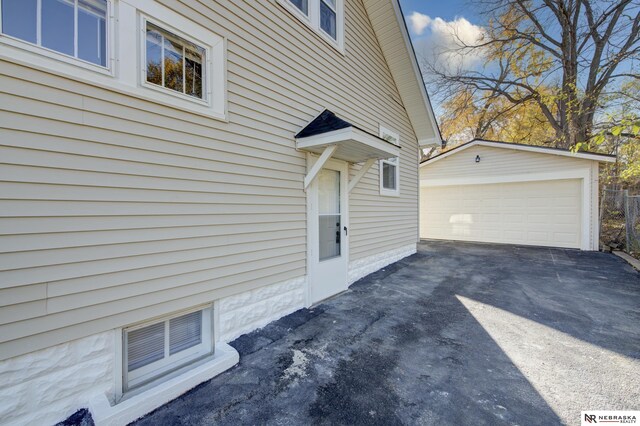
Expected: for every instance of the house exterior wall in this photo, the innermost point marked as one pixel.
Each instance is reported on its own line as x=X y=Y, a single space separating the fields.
x=505 y=165
x=114 y=206
x=115 y=209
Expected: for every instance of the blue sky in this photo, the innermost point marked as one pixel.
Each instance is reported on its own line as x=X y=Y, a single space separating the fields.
x=433 y=23
x=434 y=26
x=445 y=9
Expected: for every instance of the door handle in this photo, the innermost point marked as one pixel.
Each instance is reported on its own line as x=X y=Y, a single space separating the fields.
x=346 y=231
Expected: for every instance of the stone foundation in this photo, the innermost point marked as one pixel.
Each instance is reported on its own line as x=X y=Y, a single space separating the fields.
x=47 y=386
x=254 y=309
x=362 y=267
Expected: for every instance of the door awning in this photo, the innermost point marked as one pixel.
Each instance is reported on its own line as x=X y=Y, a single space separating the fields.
x=348 y=142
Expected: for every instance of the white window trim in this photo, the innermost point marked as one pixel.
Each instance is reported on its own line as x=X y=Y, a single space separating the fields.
x=207 y=65
x=313 y=21
x=124 y=58
x=46 y=52
x=384 y=132
x=157 y=371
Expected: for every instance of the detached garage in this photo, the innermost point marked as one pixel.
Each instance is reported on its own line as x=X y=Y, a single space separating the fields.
x=500 y=192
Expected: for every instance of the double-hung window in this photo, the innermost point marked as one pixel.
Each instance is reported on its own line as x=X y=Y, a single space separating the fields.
x=158 y=347
x=75 y=28
x=390 y=168
x=326 y=17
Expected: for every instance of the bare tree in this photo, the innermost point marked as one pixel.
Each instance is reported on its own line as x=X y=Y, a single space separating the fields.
x=563 y=55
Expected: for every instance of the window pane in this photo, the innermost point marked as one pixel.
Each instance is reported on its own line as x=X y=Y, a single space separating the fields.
x=303 y=5
x=185 y=332
x=329 y=191
x=19 y=19
x=58 y=25
x=154 y=56
x=92 y=43
x=329 y=236
x=145 y=345
x=329 y=218
x=388 y=176
x=173 y=67
x=193 y=73
x=175 y=63
x=327 y=19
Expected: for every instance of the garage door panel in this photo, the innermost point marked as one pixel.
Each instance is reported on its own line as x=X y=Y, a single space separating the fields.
x=566 y=219
x=513 y=220
x=538 y=236
x=515 y=235
x=535 y=219
x=530 y=213
x=566 y=237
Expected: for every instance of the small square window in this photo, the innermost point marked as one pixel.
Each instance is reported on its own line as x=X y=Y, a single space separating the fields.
x=390 y=168
x=73 y=28
x=389 y=175
x=159 y=347
x=174 y=63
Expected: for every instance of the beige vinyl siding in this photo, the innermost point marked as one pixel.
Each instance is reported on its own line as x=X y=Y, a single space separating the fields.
x=497 y=162
x=382 y=14
x=114 y=209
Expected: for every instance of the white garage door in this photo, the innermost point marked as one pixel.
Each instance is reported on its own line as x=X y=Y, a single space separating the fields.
x=544 y=213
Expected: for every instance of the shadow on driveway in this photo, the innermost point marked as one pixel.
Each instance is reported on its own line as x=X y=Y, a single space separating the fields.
x=456 y=334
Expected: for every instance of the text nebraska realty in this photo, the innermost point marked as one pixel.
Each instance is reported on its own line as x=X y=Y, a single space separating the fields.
x=610 y=418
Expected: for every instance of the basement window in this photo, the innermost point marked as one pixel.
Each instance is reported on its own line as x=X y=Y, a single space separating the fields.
x=155 y=348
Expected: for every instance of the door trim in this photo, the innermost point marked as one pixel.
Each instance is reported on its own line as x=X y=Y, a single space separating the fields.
x=312 y=230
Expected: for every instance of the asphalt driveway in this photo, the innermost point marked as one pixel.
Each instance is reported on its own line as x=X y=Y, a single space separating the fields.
x=456 y=334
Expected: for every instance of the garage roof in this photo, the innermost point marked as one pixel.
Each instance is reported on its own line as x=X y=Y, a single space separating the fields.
x=584 y=155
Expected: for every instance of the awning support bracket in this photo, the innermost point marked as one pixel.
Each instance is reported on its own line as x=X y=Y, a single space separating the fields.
x=363 y=170
x=324 y=157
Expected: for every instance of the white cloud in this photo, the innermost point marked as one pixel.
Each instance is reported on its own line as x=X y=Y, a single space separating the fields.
x=443 y=40
x=419 y=22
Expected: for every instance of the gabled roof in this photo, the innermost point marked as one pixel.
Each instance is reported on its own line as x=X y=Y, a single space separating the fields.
x=351 y=143
x=391 y=31
x=327 y=122
x=323 y=123
x=584 y=155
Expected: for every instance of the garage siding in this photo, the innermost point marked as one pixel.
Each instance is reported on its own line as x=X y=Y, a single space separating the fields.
x=496 y=162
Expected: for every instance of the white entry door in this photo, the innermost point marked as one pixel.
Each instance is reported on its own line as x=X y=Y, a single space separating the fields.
x=328 y=232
